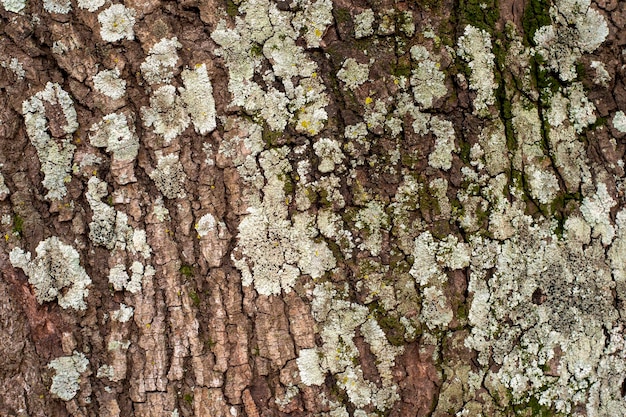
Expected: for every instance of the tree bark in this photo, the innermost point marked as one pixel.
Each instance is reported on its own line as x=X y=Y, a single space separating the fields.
x=317 y=208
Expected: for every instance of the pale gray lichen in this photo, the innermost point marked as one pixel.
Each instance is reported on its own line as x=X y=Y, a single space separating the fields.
x=169 y=176
x=109 y=83
x=441 y=156
x=427 y=80
x=576 y=29
x=66 y=381
x=57 y=6
x=55 y=273
x=329 y=152
x=167 y=113
x=14 y=6
x=619 y=121
x=338 y=320
x=198 y=97
x=596 y=210
x=123 y=314
x=90 y=5
x=475 y=48
x=353 y=74
x=118 y=277
x=272 y=251
x=55 y=155
x=363 y=24
x=314 y=19
x=372 y=220
x=161 y=62
x=205 y=225
x=117 y=134
x=116 y=23
x=103 y=219
x=265 y=32
x=15 y=66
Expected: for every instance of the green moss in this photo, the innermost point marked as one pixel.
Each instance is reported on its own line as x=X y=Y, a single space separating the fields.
x=194 y=298
x=342 y=15
x=231 y=8
x=256 y=50
x=188 y=398
x=402 y=68
x=389 y=323
x=536 y=15
x=482 y=14
x=186 y=270
x=271 y=137
x=18 y=224
x=534 y=409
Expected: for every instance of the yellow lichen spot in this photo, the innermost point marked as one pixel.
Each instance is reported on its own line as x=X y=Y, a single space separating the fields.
x=95 y=172
x=286 y=201
x=148 y=325
x=317 y=253
x=6 y=236
x=314 y=75
x=297 y=178
x=198 y=236
x=67 y=179
x=197 y=66
x=318 y=33
x=304 y=124
x=395 y=81
x=368 y=100
x=77 y=140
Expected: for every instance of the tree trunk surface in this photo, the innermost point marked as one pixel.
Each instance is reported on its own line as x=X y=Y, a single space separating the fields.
x=312 y=208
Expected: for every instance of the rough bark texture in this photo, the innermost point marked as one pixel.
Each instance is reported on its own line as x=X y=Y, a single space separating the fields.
x=312 y=208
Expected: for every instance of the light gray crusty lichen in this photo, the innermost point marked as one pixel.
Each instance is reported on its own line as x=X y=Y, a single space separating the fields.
x=66 y=380
x=109 y=83
x=161 y=61
x=117 y=133
x=55 y=154
x=475 y=48
x=55 y=273
x=116 y=23
x=169 y=176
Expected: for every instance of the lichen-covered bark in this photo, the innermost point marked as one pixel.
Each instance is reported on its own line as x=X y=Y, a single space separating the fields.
x=312 y=208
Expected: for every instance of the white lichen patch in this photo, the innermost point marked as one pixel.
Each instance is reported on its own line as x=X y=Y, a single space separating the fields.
x=353 y=74
x=430 y=259
x=55 y=154
x=619 y=121
x=109 y=83
x=338 y=321
x=66 y=381
x=161 y=62
x=427 y=80
x=267 y=33
x=314 y=20
x=197 y=95
x=272 y=251
x=601 y=76
x=169 y=176
x=90 y=5
x=57 y=6
x=117 y=134
x=55 y=273
x=116 y=23
x=441 y=156
x=167 y=113
x=363 y=24
x=542 y=310
x=15 y=66
x=373 y=221
x=475 y=48
x=123 y=314
x=577 y=28
x=330 y=154
x=311 y=372
x=544 y=185
x=581 y=110
x=596 y=210
x=14 y=6
x=118 y=277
